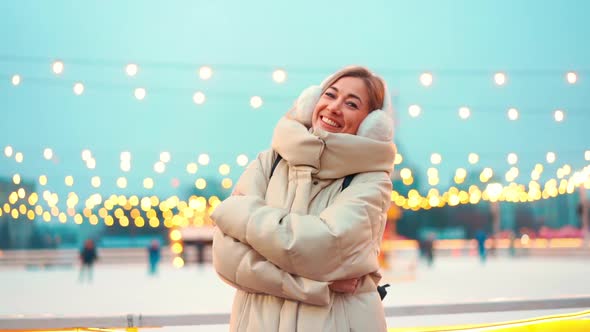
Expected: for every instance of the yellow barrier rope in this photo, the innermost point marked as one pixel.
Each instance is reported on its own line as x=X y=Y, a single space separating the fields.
x=79 y=329
x=516 y=325
x=571 y=322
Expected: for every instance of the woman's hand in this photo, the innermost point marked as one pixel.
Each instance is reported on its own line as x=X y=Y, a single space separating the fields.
x=345 y=286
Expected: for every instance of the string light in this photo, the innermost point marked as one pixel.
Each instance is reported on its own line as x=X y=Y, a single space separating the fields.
x=242 y=160
x=512 y=158
x=19 y=157
x=78 y=88
x=464 y=112
x=460 y=175
x=279 y=76
x=125 y=156
x=57 y=67
x=500 y=78
x=205 y=72
x=473 y=158
x=224 y=169
x=405 y=173
x=199 y=98
x=86 y=155
x=426 y=79
x=494 y=190
x=131 y=69
x=513 y=114
x=122 y=182
x=200 y=183
x=559 y=115
x=571 y=77
x=139 y=93
x=435 y=158
x=47 y=153
x=226 y=183
x=487 y=173
x=16 y=80
x=551 y=157
x=414 y=110
x=432 y=172
x=159 y=167
x=191 y=168
x=203 y=159
x=125 y=165
x=91 y=163
x=69 y=181
x=165 y=157
x=148 y=183
x=178 y=262
x=95 y=181
x=256 y=102
x=8 y=151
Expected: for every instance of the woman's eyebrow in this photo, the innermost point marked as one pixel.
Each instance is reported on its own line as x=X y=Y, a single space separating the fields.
x=349 y=95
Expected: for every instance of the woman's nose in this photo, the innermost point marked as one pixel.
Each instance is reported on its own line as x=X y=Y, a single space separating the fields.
x=334 y=106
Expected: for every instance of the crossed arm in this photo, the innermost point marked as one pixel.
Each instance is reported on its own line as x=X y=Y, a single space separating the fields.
x=297 y=256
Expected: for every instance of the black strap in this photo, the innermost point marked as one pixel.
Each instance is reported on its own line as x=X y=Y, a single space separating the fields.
x=274 y=164
x=347 y=181
x=382 y=291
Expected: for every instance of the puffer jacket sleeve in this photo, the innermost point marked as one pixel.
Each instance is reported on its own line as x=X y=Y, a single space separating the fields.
x=243 y=268
x=253 y=182
x=341 y=243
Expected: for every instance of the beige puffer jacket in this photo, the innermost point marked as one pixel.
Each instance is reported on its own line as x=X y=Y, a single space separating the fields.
x=282 y=239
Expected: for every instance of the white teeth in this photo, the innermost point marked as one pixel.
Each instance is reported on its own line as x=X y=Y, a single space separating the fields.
x=330 y=122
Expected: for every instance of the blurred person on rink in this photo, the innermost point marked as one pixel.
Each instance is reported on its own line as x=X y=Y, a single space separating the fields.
x=153 y=257
x=300 y=236
x=427 y=248
x=88 y=256
x=481 y=237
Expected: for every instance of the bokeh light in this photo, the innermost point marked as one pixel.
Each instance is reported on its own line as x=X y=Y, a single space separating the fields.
x=426 y=79
x=205 y=72
x=279 y=76
x=256 y=102
x=414 y=110
x=500 y=78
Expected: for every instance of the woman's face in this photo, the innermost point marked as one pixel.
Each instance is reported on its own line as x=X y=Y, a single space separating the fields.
x=342 y=107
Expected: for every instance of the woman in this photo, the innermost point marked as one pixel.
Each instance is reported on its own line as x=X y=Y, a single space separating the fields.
x=302 y=252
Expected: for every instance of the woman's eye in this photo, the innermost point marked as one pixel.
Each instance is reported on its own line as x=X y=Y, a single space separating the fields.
x=352 y=104
x=330 y=94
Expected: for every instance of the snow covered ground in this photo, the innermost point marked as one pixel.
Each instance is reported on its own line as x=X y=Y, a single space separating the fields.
x=127 y=289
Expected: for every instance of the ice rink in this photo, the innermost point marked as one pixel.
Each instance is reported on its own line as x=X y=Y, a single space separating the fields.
x=123 y=289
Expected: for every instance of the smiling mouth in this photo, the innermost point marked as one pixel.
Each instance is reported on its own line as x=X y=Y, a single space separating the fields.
x=329 y=122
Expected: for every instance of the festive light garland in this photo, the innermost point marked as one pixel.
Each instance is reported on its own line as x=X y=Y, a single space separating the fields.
x=191 y=212
x=453 y=196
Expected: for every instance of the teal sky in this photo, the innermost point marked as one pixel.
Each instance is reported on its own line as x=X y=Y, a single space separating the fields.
x=463 y=43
